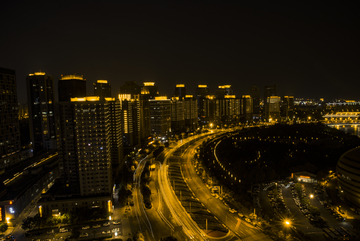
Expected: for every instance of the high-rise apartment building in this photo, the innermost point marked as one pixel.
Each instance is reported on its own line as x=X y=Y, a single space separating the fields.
x=287 y=107
x=209 y=109
x=102 y=88
x=160 y=115
x=223 y=90
x=227 y=110
x=9 y=122
x=191 y=112
x=40 y=94
x=71 y=86
x=90 y=144
x=255 y=95
x=149 y=90
x=201 y=92
x=136 y=112
x=268 y=92
x=67 y=143
x=180 y=91
x=272 y=113
x=177 y=115
x=247 y=108
x=130 y=120
x=131 y=88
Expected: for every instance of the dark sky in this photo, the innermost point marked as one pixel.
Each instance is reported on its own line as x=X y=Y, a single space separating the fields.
x=309 y=50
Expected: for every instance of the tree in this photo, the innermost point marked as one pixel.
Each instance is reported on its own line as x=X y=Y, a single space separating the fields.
x=3 y=227
x=27 y=223
x=138 y=236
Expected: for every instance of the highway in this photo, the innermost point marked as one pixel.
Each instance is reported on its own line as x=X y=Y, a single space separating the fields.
x=240 y=228
x=141 y=216
x=181 y=217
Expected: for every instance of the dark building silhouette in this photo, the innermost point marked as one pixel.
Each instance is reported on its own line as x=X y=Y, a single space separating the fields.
x=287 y=107
x=9 y=121
x=149 y=90
x=102 y=88
x=70 y=86
x=201 y=92
x=41 y=111
x=223 y=90
x=246 y=108
x=180 y=91
x=131 y=88
x=255 y=95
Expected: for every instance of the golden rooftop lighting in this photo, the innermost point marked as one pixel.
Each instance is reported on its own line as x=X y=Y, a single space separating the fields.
x=246 y=96
x=175 y=98
x=72 y=76
x=87 y=98
x=224 y=86
x=349 y=101
x=109 y=99
x=149 y=83
x=288 y=96
x=230 y=96
x=188 y=96
x=124 y=96
x=202 y=86
x=102 y=81
x=180 y=85
x=37 y=73
x=161 y=97
x=145 y=92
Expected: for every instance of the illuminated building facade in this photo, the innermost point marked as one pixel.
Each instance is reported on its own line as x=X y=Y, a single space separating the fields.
x=209 y=109
x=40 y=94
x=191 y=112
x=9 y=122
x=177 y=115
x=348 y=173
x=247 y=108
x=130 y=120
x=102 y=88
x=20 y=189
x=89 y=144
x=268 y=92
x=160 y=115
x=71 y=86
x=180 y=91
x=93 y=146
x=272 y=112
x=227 y=110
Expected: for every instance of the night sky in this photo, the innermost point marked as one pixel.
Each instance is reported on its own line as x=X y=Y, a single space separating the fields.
x=309 y=50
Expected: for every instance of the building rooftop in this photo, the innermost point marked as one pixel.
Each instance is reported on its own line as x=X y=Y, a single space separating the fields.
x=19 y=178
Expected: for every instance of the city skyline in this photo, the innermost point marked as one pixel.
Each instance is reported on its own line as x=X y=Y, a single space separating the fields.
x=307 y=50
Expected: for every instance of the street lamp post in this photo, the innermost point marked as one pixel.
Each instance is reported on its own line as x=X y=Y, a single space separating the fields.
x=287 y=224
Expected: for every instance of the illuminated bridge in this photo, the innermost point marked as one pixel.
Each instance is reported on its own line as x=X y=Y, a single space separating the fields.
x=342 y=119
